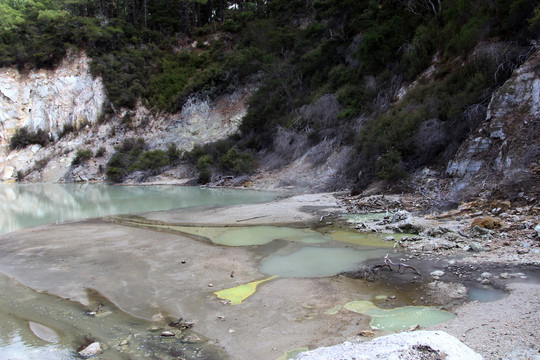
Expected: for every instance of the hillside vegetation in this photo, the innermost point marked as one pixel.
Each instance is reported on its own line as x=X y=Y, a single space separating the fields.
x=329 y=73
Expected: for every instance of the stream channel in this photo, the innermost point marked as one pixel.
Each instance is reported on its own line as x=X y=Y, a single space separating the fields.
x=78 y=265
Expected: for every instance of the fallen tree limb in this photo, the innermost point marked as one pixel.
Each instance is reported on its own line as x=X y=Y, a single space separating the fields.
x=389 y=262
x=370 y=273
x=252 y=218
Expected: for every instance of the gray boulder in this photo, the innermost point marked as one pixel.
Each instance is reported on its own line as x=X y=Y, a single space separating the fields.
x=417 y=345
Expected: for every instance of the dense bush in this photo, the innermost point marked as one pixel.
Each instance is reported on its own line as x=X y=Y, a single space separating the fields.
x=81 y=156
x=133 y=155
x=24 y=137
x=100 y=152
x=123 y=161
x=220 y=157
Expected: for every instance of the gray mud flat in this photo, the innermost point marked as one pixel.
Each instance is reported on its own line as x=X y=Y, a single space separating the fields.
x=155 y=275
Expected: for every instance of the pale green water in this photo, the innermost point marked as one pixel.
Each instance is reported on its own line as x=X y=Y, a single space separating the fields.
x=25 y=205
x=297 y=252
x=399 y=318
x=259 y=235
x=318 y=261
x=486 y=294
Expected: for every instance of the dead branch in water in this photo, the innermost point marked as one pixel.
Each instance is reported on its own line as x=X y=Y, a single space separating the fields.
x=389 y=263
x=370 y=273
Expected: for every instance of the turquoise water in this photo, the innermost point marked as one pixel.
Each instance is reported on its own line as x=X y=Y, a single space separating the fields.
x=25 y=205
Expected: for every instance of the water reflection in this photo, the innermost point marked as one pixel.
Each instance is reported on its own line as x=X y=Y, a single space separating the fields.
x=24 y=205
x=120 y=335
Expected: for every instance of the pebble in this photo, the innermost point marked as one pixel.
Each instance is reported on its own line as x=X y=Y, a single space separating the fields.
x=91 y=350
x=366 y=333
x=436 y=274
x=168 y=333
x=193 y=339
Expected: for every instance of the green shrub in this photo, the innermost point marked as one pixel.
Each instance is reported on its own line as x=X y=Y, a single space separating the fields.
x=23 y=137
x=152 y=160
x=66 y=129
x=203 y=166
x=81 y=156
x=389 y=166
x=100 y=152
x=237 y=162
x=232 y=26
x=115 y=174
x=125 y=160
x=173 y=154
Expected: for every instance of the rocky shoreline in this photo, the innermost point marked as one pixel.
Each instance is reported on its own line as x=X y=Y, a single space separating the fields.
x=485 y=244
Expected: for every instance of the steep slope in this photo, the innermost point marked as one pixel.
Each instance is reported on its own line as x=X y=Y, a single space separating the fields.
x=70 y=97
x=50 y=99
x=502 y=157
x=319 y=95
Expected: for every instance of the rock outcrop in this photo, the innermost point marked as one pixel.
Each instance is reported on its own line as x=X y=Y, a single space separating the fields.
x=69 y=95
x=48 y=100
x=418 y=345
x=503 y=156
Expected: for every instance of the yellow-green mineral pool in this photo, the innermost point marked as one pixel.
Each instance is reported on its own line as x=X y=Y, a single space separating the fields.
x=400 y=318
x=240 y=293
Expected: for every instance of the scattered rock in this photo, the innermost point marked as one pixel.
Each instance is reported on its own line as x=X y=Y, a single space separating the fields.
x=474 y=246
x=481 y=230
x=447 y=293
x=400 y=216
x=486 y=222
x=436 y=274
x=389 y=238
x=366 y=333
x=167 y=333
x=91 y=350
x=192 y=339
x=486 y=275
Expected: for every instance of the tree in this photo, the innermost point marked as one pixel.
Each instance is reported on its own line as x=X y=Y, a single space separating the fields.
x=9 y=17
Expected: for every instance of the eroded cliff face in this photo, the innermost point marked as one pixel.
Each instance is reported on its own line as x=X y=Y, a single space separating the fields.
x=502 y=157
x=48 y=100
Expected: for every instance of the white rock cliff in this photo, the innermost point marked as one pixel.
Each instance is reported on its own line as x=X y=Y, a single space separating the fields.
x=50 y=99
x=70 y=95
